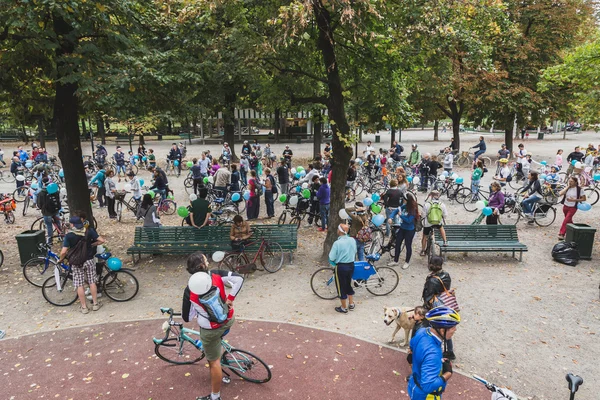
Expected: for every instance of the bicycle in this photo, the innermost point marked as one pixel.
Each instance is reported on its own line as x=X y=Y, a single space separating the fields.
x=165 y=205
x=8 y=206
x=132 y=205
x=544 y=214
x=178 y=347
x=58 y=290
x=378 y=281
x=466 y=158
x=269 y=253
x=468 y=199
x=499 y=393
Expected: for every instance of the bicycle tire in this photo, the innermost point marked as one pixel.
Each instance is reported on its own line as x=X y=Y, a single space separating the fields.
x=188 y=182
x=9 y=217
x=548 y=219
x=8 y=178
x=271 y=258
x=511 y=217
x=282 y=218
x=322 y=283
x=20 y=194
x=132 y=167
x=463 y=161
x=376 y=243
x=120 y=285
x=234 y=260
x=67 y=295
x=240 y=206
x=487 y=162
x=462 y=194
x=26 y=205
x=174 y=351
x=168 y=207
x=119 y=211
x=591 y=195
x=249 y=362
x=381 y=279
x=296 y=221
x=36 y=272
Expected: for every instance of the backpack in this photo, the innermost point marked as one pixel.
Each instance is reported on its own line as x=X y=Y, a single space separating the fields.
x=364 y=234
x=273 y=184
x=52 y=203
x=435 y=215
x=78 y=254
x=258 y=187
x=214 y=305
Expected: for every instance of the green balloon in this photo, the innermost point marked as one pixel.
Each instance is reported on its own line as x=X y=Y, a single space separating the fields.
x=299 y=169
x=183 y=212
x=205 y=180
x=151 y=193
x=376 y=208
x=170 y=197
x=306 y=193
x=485 y=202
x=190 y=164
x=282 y=198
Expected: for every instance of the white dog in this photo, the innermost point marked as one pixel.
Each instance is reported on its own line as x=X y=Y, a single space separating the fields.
x=404 y=320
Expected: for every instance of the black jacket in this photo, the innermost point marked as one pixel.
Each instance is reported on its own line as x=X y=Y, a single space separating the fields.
x=434 y=287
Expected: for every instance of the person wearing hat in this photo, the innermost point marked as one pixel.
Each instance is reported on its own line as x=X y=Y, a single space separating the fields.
x=136 y=187
x=287 y=154
x=503 y=172
x=49 y=205
x=414 y=157
x=175 y=155
x=342 y=255
x=503 y=152
x=358 y=214
x=202 y=283
x=246 y=148
x=86 y=272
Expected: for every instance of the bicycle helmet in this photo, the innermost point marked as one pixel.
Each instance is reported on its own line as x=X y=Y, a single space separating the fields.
x=442 y=317
x=415 y=145
x=200 y=283
x=503 y=161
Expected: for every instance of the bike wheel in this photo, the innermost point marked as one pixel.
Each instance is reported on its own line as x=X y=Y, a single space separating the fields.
x=463 y=194
x=282 y=218
x=240 y=206
x=178 y=351
x=463 y=161
x=8 y=178
x=9 y=217
x=133 y=168
x=323 y=284
x=37 y=270
x=20 y=194
x=26 y=205
x=296 y=221
x=233 y=260
x=516 y=183
x=271 y=257
x=544 y=218
x=469 y=203
x=487 y=162
x=188 y=182
x=511 y=217
x=120 y=285
x=168 y=207
x=119 y=211
x=383 y=282
x=376 y=243
x=246 y=365
x=39 y=224
x=591 y=195
x=64 y=297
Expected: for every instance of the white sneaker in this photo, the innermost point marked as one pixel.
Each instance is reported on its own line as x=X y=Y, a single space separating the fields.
x=89 y=296
x=406 y=265
x=393 y=263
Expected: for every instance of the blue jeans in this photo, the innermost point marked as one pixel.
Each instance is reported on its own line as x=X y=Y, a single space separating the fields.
x=120 y=168
x=324 y=209
x=243 y=175
x=529 y=202
x=269 y=202
x=360 y=250
x=48 y=221
x=478 y=153
x=475 y=189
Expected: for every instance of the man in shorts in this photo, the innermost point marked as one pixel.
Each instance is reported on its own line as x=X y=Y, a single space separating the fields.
x=85 y=273
x=211 y=332
x=433 y=210
x=342 y=255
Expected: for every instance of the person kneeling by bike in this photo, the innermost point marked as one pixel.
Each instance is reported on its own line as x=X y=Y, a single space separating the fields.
x=431 y=372
x=205 y=299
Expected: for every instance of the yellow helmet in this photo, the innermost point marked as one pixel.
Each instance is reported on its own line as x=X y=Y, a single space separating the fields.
x=504 y=160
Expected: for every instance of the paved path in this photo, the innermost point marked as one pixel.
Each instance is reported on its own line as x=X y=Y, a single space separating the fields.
x=117 y=361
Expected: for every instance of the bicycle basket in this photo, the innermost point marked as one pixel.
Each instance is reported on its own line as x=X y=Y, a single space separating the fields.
x=120 y=195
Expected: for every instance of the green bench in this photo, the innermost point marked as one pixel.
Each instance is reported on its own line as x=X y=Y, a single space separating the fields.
x=481 y=238
x=184 y=240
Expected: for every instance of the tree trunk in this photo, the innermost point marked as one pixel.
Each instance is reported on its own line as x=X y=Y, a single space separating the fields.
x=24 y=134
x=169 y=128
x=456 y=130
x=318 y=135
x=142 y=139
x=277 y=123
x=341 y=149
x=508 y=138
x=100 y=127
x=229 y=123
x=436 y=126
x=42 y=136
x=393 y=137
x=83 y=130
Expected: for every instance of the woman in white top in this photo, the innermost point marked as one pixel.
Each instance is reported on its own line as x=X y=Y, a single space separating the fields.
x=503 y=172
x=573 y=194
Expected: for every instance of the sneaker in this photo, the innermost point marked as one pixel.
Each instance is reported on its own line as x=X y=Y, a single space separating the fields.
x=96 y=306
x=321 y=229
x=84 y=310
x=561 y=237
x=209 y=397
x=351 y=307
x=449 y=355
x=392 y=264
x=89 y=296
x=341 y=310
x=406 y=265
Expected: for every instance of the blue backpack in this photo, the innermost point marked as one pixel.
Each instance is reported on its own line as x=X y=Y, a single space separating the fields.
x=214 y=305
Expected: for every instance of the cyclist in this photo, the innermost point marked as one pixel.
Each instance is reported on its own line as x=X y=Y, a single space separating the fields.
x=482 y=148
x=100 y=154
x=195 y=305
x=503 y=172
x=414 y=157
x=503 y=152
x=136 y=187
x=119 y=157
x=435 y=213
x=430 y=372
x=533 y=194
x=175 y=155
x=576 y=156
x=288 y=154
x=50 y=206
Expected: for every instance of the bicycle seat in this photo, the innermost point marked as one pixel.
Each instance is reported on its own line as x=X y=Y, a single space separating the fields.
x=219 y=200
x=574 y=382
x=373 y=257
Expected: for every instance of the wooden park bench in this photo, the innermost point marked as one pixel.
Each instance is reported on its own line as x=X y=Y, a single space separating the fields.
x=184 y=240
x=481 y=238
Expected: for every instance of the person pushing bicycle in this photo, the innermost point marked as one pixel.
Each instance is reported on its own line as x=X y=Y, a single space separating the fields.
x=205 y=299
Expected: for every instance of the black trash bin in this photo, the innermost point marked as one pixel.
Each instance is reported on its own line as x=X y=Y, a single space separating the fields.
x=583 y=235
x=299 y=140
x=540 y=135
x=29 y=244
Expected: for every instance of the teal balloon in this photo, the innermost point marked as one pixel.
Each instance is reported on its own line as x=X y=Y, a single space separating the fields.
x=246 y=195
x=367 y=202
x=144 y=158
x=114 y=264
x=52 y=188
x=375 y=197
x=61 y=173
x=409 y=179
x=378 y=220
x=236 y=197
x=176 y=163
x=487 y=211
x=584 y=206
x=141 y=182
